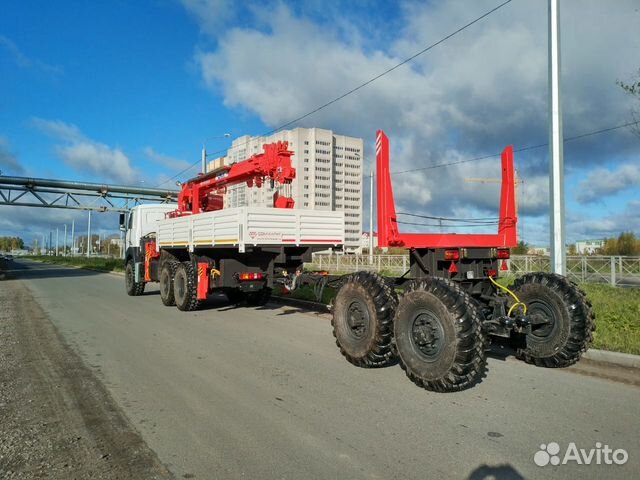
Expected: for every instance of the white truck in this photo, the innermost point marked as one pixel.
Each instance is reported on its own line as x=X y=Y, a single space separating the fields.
x=195 y=247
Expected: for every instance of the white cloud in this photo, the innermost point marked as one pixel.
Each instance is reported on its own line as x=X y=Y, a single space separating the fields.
x=87 y=155
x=8 y=161
x=467 y=97
x=601 y=182
x=165 y=160
x=23 y=61
x=211 y=15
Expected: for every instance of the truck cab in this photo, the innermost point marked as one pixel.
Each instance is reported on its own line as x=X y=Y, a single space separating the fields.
x=142 y=220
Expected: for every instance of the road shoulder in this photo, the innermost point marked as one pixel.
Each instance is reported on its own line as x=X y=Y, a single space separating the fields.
x=57 y=420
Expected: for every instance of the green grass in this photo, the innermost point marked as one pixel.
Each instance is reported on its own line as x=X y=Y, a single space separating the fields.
x=617 y=317
x=104 y=264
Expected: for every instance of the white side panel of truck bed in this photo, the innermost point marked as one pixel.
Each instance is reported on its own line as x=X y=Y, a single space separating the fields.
x=252 y=227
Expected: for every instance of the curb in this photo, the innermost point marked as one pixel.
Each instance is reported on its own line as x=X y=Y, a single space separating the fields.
x=614 y=358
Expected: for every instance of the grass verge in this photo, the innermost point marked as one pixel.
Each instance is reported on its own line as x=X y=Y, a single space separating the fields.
x=95 y=263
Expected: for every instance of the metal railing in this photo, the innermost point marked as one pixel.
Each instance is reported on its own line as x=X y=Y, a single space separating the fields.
x=614 y=270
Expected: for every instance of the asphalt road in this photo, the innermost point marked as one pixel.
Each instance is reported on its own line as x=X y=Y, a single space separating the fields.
x=264 y=393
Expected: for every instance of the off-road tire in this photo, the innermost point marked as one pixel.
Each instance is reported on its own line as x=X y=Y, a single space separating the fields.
x=134 y=289
x=365 y=341
x=570 y=333
x=439 y=337
x=185 y=287
x=167 y=272
x=257 y=299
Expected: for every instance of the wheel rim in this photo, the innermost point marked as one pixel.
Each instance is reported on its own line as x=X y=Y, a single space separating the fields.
x=129 y=276
x=427 y=335
x=164 y=283
x=542 y=309
x=357 y=320
x=180 y=285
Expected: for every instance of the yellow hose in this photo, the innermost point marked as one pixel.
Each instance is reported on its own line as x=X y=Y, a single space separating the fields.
x=518 y=302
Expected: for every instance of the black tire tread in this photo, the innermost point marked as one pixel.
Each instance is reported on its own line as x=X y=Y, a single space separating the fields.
x=582 y=319
x=470 y=365
x=385 y=300
x=192 y=303
x=136 y=289
x=170 y=301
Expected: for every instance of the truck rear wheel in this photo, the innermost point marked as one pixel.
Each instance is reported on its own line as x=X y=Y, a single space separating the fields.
x=438 y=336
x=185 y=287
x=362 y=320
x=134 y=289
x=569 y=320
x=167 y=274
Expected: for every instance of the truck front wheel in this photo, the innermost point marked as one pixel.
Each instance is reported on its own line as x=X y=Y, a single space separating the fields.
x=134 y=289
x=185 y=287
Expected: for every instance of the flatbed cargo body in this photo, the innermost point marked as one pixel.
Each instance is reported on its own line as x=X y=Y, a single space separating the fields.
x=246 y=227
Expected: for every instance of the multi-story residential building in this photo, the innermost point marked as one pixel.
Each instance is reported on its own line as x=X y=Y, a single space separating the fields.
x=329 y=170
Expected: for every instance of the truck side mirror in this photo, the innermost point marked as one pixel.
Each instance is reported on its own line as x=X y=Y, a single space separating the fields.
x=122 y=221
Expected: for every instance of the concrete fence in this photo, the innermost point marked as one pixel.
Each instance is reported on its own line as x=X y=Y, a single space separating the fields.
x=614 y=270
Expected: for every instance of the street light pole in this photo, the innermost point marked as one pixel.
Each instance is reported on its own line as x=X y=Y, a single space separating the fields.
x=556 y=161
x=204 y=152
x=64 y=246
x=73 y=236
x=89 y=235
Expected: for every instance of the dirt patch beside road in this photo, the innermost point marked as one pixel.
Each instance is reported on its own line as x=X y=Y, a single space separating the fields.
x=57 y=420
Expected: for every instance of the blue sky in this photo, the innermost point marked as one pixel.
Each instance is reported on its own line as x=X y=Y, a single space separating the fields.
x=126 y=92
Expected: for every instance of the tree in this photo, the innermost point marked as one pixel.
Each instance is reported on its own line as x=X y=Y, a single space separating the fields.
x=628 y=244
x=625 y=244
x=572 y=249
x=521 y=249
x=11 y=243
x=633 y=89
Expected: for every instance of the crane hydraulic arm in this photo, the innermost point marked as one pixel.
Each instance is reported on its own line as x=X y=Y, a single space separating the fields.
x=204 y=192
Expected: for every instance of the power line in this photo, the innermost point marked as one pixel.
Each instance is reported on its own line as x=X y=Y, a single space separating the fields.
x=448 y=225
x=490 y=220
x=518 y=150
x=364 y=84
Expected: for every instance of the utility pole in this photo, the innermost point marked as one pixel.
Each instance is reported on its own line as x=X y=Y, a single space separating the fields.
x=57 y=237
x=50 y=242
x=371 y=220
x=556 y=161
x=73 y=236
x=204 y=159
x=44 y=245
x=89 y=236
x=64 y=246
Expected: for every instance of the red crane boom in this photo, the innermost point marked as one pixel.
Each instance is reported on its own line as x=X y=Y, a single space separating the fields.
x=204 y=192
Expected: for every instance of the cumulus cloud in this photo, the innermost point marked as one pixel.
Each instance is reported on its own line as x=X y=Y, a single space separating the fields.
x=625 y=220
x=210 y=14
x=601 y=182
x=8 y=161
x=465 y=98
x=87 y=155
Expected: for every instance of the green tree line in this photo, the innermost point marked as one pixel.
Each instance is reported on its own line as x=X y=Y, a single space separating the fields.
x=11 y=243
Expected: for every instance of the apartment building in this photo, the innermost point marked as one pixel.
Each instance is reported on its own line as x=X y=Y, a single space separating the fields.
x=329 y=169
